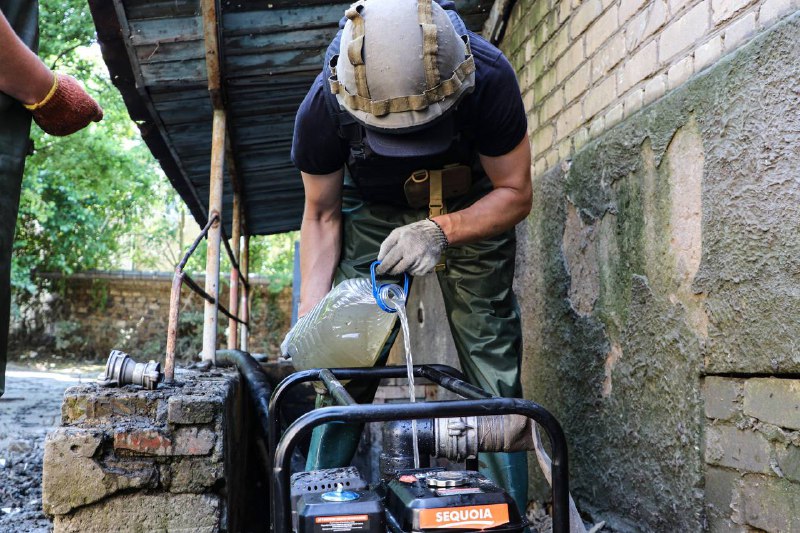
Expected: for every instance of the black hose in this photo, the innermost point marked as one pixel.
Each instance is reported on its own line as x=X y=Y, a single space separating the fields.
x=256 y=383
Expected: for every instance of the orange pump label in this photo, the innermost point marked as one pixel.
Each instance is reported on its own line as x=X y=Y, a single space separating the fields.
x=472 y=517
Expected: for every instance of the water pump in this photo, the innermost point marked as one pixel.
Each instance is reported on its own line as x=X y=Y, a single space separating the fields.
x=408 y=499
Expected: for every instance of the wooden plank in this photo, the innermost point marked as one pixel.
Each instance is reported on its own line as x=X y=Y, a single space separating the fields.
x=192 y=71
x=172 y=30
x=277 y=21
x=169 y=51
x=140 y=9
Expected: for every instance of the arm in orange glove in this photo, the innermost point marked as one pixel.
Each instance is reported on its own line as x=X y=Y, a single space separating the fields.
x=58 y=103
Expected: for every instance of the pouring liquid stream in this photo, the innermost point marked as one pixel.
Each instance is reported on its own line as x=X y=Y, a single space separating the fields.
x=399 y=303
x=412 y=394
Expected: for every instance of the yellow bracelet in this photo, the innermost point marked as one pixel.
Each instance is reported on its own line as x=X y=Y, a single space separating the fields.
x=34 y=107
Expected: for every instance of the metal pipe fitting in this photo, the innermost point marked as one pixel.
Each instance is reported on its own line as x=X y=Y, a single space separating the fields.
x=121 y=370
x=462 y=438
x=398 y=446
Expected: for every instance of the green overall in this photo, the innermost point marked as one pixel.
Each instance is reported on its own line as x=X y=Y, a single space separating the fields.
x=15 y=123
x=481 y=308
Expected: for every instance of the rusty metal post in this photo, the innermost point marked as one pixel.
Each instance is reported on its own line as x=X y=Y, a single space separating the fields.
x=214 y=235
x=245 y=305
x=172 y=328
x=233 y=301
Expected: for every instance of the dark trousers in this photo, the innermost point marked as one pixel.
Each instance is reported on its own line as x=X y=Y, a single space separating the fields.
x=15 y=123
x=483 y=317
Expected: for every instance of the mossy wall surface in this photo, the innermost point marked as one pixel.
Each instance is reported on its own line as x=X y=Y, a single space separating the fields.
x=667 y=249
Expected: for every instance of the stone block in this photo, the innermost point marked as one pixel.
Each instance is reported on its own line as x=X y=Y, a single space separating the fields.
x=570 y=61
x=74 y=406
x=743 y=450
x=191 y=475
x=788 y=460
x=739 y=31
x=684 y=32
x=599 y=97
x=577 y=84
x=568 y=121
x=773 y=400
x=142 y=441
x=638 y=67
x=193 y=441
x=771 y=10
x=583 y=16
x=722 y=397
x=770 y=504
x=601 y=30
x=655 y=88
x=707 y=53
x=74 y=478
x=634 y=102
x=184 y=513
x=542 y=140
x=551 y=106
x=721 y=486
x=722 y=10
x=609 y=56
x=628 y=8
x=191 y=409
x=614 y=115
x=645 y=24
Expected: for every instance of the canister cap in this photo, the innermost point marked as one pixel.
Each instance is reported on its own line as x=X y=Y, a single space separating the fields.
x=447 y=479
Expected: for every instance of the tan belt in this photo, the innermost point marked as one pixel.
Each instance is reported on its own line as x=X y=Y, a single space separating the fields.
x=433 y=187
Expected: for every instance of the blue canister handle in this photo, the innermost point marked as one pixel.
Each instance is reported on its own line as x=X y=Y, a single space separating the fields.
x=376 y=289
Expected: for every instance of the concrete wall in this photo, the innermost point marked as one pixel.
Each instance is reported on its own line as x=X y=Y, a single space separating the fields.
x=92 y=313
x=662 y=249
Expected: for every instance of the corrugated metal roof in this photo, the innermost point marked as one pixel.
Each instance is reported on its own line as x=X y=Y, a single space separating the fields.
x=271 y=53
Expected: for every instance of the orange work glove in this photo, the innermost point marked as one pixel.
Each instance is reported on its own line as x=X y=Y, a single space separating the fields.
x=66 y=109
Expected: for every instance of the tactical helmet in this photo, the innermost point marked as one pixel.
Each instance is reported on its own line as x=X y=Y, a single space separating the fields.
x=402 y=65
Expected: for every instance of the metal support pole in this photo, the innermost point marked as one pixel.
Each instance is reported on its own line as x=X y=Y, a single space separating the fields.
x=214 y=234
x=244 y=312
x=172 y=327
x=233 y=301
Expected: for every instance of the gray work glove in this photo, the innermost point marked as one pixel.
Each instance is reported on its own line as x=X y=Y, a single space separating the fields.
x=414 y=248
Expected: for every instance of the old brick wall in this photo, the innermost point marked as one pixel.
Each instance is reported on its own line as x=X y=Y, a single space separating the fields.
x=662 y=253
x=91 y=313
x=583 y=66
x=163 y=460
x=752 y=451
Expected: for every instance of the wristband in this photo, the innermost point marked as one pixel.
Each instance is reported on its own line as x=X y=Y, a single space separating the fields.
x=47 y=98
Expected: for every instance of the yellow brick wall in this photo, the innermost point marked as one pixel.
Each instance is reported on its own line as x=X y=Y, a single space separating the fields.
x=583 y=66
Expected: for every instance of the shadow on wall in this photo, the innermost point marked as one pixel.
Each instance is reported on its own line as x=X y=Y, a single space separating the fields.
x=667 y=250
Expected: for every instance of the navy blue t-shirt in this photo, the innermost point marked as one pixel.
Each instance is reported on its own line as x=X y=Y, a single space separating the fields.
x=494 y=111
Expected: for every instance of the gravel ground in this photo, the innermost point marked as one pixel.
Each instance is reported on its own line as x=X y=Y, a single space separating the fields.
x=30 y=407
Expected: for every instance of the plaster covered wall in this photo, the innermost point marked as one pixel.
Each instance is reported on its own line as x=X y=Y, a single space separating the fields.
x=665 y=250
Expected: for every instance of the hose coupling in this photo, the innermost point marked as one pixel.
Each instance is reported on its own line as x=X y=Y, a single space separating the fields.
x=121 y=370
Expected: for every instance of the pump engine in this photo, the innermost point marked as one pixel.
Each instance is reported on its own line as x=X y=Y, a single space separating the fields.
x=408 y=499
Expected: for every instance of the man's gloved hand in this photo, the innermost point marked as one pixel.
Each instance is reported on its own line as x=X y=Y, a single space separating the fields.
x=66 y=109
x=414 y=248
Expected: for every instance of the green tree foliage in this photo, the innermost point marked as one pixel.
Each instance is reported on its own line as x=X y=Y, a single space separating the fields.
x=84 y=193
x=98 y=199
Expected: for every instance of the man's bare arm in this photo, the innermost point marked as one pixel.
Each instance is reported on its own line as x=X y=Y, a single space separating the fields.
x=23 y=76
x=320 y=236
x=503 y=207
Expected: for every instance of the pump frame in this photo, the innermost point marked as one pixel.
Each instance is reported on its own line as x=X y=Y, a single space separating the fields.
x=477 y=402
